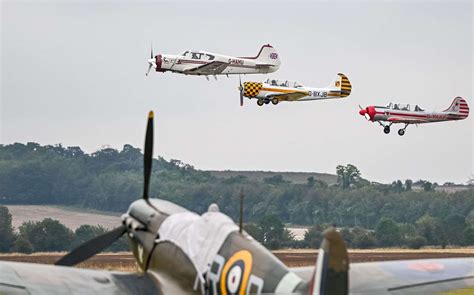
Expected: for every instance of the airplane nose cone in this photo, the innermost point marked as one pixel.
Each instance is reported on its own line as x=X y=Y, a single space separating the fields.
x=159 y=62
x=371 y=112
x=363 y=112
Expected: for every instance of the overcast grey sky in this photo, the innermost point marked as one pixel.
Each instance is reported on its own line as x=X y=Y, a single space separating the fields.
x=73 y=73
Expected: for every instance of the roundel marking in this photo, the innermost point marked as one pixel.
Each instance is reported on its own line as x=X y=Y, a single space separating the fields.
x=235 y=273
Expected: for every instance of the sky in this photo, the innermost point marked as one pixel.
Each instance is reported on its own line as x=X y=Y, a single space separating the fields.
x=74 y=73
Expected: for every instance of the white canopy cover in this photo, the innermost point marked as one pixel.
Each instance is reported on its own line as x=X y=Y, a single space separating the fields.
x=200 y=237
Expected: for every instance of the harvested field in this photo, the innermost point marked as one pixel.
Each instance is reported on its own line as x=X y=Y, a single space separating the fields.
x=124 y=261
x=70 y=217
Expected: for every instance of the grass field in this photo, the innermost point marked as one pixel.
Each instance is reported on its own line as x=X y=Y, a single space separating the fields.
x=71 y=217
x=124 y=261
x=295 y=177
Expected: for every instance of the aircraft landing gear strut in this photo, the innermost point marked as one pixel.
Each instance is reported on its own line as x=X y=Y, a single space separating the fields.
x=401 y=132
x=386 y=128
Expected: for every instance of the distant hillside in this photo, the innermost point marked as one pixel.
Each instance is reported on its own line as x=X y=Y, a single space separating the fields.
x=295 y=177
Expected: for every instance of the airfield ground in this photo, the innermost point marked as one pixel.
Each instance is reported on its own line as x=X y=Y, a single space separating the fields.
x=124 y=261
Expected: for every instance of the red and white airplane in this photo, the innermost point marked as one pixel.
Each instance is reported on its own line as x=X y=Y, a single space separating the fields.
x=204 y=63
x=413 y=114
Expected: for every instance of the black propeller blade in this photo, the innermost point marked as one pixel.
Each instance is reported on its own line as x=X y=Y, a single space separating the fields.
x=91 y=247
x=148 y=156
x=241 y=89
x=96 y=245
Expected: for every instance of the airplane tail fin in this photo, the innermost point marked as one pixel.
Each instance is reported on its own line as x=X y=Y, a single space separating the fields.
x=459 y=106
x=267 y=56
x=342 y=84
x=332 y=269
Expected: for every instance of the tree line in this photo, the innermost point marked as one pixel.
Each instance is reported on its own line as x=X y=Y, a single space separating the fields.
x=47 y=235
x=111 y=179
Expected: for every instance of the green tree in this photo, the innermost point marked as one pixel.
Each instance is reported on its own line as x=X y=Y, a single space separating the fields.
x=255 y=231
x=429 y=228
x=310 y=181
x=86 y=233
x=468 y=233
x=427 y=186
x=397 y=186
x=408 y=184
x=347 y=175
x=22 y=245
x=47 y=235
x=455 y=224
x=7 y=235
x=415 y=242
x=274 y=232
x=314 y=236
x=387 y=233
x=364 y=240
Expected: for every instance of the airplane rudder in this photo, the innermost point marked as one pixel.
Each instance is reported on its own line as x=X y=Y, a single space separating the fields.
x=269 y=55
x=460 y=106
x=331 y=275
x=344 y=85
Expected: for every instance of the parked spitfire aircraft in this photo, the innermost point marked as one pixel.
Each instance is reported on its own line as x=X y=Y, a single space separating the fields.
x=275 y=91
x=413 y=114
x=205 y=63
x=181 y=252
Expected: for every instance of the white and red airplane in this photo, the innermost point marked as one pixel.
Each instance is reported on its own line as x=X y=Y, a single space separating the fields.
x=409 y=114
x=205 y=63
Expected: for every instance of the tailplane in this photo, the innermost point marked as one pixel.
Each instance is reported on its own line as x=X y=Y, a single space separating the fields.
x=267 y=56
x=459 y=106
x=332 y=269
x=342 y=84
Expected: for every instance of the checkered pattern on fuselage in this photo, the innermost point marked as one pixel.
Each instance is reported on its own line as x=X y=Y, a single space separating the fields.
x=251 y=89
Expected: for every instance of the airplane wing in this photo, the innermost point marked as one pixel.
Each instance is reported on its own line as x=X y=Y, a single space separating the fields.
x=29 y=278
x=291 y=96
x=212 y=68
x=406 y=120
x=424 y=276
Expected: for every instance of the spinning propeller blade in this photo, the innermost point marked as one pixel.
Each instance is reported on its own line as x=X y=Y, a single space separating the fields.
x=150 y=62
x=149 y=68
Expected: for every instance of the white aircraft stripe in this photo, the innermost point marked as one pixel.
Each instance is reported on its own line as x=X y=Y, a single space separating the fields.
x=288 y=283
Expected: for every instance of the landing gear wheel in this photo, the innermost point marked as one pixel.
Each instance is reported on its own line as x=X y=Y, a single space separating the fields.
x=386 y=129
x=267 y=101
x=260 y=102
x=401 y=132
x=275 y=101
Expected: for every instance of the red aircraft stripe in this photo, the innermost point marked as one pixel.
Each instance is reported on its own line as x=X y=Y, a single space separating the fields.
x=403 y=115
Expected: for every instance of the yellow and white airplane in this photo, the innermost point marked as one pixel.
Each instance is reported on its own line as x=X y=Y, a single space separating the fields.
x=275 y=91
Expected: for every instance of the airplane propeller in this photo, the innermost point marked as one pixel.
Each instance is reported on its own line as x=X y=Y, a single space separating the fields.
x=151 y=62
x=241 y=89
x=96 y=245
x=364 y=113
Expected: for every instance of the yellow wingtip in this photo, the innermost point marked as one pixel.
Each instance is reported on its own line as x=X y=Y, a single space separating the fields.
x=151 y=115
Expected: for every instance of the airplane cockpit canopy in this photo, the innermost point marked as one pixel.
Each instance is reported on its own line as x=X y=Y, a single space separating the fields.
x=283 y=83
x=197 y=55
x=404 y=107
